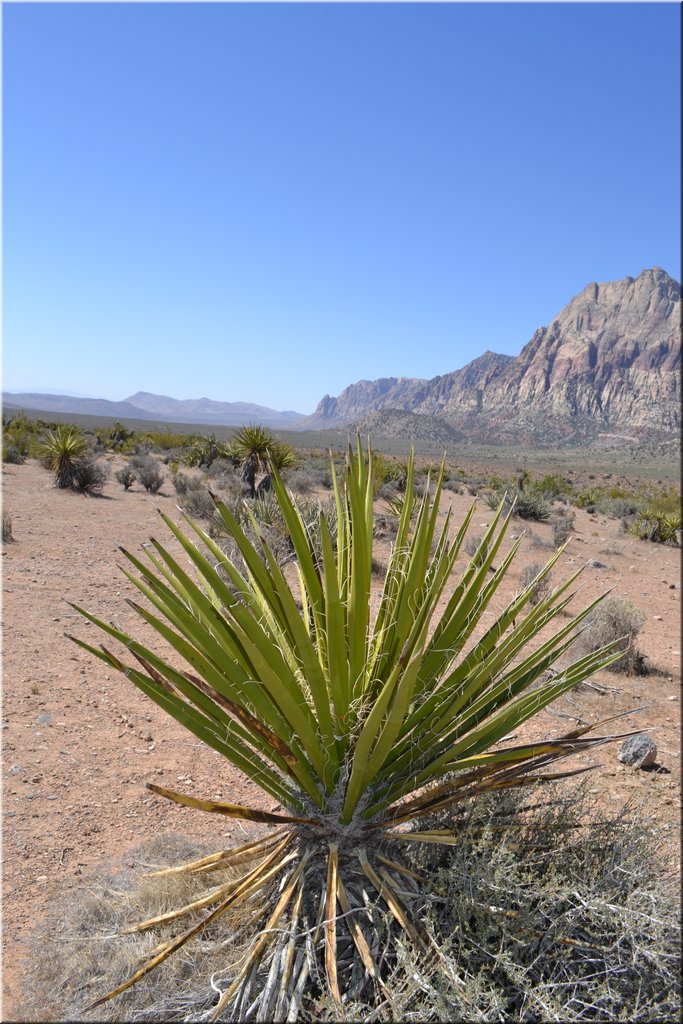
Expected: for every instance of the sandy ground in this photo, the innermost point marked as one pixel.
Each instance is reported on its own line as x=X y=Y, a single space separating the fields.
x=79 y=741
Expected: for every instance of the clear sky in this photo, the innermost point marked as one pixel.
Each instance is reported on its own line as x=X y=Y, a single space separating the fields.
x=266 y=203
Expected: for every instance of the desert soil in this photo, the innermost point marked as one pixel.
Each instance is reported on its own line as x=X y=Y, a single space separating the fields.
x=80 y=741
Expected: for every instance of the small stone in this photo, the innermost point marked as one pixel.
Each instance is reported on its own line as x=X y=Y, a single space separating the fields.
x=657 y=618
x=595 y=564
x=638 y=751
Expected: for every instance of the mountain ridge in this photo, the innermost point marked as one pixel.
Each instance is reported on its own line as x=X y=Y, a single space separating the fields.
x=609 y=359
x=144 y=405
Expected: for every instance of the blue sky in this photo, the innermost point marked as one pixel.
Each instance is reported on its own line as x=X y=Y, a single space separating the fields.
x=266 y=203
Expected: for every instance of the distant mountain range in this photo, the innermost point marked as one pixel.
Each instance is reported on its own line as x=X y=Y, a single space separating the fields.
x=158 y=408
x=610 y=360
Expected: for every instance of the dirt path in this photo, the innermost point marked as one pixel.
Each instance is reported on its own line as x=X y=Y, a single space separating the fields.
x=79 y=742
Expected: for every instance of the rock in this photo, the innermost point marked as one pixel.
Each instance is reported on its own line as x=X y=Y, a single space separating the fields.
x=638 y=751
x=594 y=563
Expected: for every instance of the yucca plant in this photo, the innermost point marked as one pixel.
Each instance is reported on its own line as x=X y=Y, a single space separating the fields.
x=61 y=449
x=656 y=525
x=258 y=449
x=205 y=451
x=358 y=725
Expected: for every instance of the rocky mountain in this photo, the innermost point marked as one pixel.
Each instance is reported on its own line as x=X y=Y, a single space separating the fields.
x=156 y=408
x=610 y=360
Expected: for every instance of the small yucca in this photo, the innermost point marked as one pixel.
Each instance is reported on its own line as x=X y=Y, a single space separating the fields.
x=62 y=449
x=357 y=725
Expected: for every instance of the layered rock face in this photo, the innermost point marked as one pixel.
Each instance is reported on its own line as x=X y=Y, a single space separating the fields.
x=609 y=361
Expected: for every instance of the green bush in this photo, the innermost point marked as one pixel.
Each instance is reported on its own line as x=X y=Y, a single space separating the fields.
x=551 y=486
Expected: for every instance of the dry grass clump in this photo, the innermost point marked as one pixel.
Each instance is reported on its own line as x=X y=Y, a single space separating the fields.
x=83 y=948
x=544 y=911
x=614 y=619
x=542 y=588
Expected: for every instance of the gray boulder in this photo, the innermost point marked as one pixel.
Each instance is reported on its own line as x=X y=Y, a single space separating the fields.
x=638 y=751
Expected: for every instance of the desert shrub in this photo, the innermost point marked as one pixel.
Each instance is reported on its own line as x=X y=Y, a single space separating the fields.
x=13 y=452
x=89 y=476
x=385 y=527
x=115 y=436
x=657 y=526
x=126 y=476
x=196 y=501
x=615 y=619
x=532 y=506
x=389 y=490
x=223 y=468
x=491 y=499
x=318 y=467
x=561 y=525
x=550 y=486
x=542 y=587
x=385 y=470
x=148 y=472
x=527 y=504
x=453 y=484
x=183 y=482
x=544 y=911
x=168 y=440
x=618 y=507
x=7 y=537
x=21 y=437
x=587 y=498
x=302 y=480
